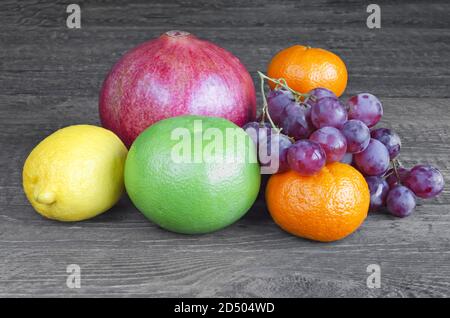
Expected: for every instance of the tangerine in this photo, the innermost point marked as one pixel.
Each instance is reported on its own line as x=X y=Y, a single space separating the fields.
x=305 y=68
x=327 y=206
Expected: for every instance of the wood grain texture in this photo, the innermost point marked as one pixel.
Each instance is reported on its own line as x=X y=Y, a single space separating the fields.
x=50 y=77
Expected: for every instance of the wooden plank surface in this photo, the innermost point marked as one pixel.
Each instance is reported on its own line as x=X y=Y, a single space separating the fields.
x=50 y=77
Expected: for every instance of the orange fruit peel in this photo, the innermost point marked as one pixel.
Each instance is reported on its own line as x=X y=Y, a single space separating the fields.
x=327 y=206
x=305 y=68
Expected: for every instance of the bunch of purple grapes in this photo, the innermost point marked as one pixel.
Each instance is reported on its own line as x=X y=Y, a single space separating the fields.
x=314 y=129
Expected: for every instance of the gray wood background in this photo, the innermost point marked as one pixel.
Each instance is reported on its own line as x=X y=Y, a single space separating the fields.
x=50 y=77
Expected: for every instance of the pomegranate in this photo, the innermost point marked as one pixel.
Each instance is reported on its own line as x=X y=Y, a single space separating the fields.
x=175 y=74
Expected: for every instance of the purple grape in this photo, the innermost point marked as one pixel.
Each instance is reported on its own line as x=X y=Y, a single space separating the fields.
x=328 y=111
x=400 y=201
x=374 y=160
x=260 y=135
x=308 y=116
x=318 y=93
x=332 y=142
x=379 y=189
x=366 y=108
x=357 y=135
x=306 y=157
x=390 y=139
x=282 y=144
x=295 y=121
x=277 y=100
x=347 y=158
x=425 y=181
x=266 y=139
x=392 y=179
x=256 y=131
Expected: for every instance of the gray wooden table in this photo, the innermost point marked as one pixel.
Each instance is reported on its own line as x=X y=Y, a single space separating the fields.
x=50 y=77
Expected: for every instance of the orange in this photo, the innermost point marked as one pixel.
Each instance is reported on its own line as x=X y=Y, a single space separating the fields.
x=305 y=68
x=325 y=207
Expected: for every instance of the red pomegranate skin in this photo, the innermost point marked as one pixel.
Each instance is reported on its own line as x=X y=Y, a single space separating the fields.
x=173 y=75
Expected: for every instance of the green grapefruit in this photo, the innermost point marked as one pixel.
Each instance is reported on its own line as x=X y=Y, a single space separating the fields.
x=193 y=174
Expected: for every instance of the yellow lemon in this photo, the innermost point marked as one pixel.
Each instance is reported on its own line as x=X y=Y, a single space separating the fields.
x=75 y=173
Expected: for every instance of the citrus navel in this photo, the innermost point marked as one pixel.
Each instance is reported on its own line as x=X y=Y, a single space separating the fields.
x=305 y=68
x=327 y=206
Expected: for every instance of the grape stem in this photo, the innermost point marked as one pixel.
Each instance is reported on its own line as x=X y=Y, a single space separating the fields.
x=265 y=111
x=395 y=165
x=281 y=82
